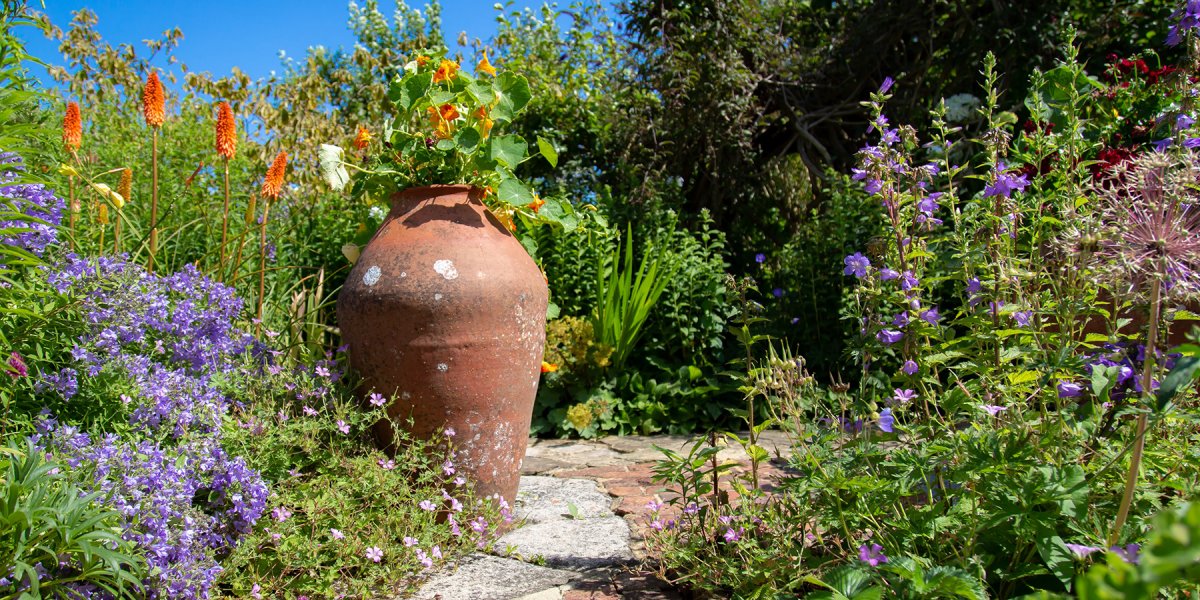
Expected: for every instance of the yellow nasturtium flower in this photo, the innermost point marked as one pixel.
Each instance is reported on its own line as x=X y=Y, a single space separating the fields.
x=485 y=66
x=445 y=71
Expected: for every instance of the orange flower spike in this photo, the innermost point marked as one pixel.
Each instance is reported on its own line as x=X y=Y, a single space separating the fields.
x=273 y=184
x=72 y=128
x=445 y=71
x=485 y=66
x=549 y=367
x=226 y=132
x=153 y=101
x=362 y=139
x=537 y=203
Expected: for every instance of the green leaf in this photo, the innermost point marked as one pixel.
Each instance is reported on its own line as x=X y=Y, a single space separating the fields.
x=548 y=151
x=1058 y=558
x=409 y=90
x=468 y=139
x=1186 y=370
x=513 y=93
x=332 y=169
x=559 y=211
x=512 y=191
x=509 y=150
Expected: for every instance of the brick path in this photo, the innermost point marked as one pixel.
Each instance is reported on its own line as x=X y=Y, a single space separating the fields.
x=623 y=467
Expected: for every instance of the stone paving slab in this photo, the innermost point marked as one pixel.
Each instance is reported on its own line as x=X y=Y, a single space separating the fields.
x=484 y=577
x=569 y=524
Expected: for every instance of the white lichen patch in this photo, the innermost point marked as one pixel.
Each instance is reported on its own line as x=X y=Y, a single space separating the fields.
x=443 y=367
x=445 y=268
x=371 y=277
x=437 y=296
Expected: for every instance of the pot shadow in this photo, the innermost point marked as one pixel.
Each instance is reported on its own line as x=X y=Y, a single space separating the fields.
x=461 y=214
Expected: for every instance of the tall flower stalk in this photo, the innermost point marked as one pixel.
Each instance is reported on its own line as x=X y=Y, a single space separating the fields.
x=72 y=137
x=124 y=188
x=226 y=142
x=271 y=188
x=154 y=111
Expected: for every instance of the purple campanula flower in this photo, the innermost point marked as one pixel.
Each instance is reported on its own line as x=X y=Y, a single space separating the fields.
x=993 y=410
x=887 y=422
x=1161 y=145
x=777 y=292
x=886 y=85
x=1191 y=143
x=1128 y=553
x=889 y=336
x=1023 y=317
x=910 y=367
x=1183 y=121
x=931 y=316
x=856 y=265
x=760 y=258
x=886 y=274
x=908 y=281
x=1069 y=389
x=1005 y=183
x=872 y=555
x=858 y=174
x=1187 y=18
x=873 y=186
x=900 y=320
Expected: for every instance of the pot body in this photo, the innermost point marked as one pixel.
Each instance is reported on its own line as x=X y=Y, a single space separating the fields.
x=445 y=312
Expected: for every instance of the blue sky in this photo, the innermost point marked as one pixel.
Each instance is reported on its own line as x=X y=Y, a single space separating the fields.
x=219 y=34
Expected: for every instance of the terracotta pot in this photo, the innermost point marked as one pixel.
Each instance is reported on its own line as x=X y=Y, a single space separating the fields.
x=445 y=311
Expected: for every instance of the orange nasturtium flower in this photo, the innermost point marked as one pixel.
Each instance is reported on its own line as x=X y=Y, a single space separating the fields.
x=537 y=203
x=422 y=60
x=153 y=100
x=485 y=67
x=445 y=71
x=485 y=124
x=226 y=132
x=442 y=118
x=273 y=184
x=72 y=134
x=549 y=367
x=362 y=139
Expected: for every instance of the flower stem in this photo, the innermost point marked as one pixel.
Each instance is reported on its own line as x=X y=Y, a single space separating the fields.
x=224 y=225
x=1139 y=441
x=262 y=265
x=153 y=197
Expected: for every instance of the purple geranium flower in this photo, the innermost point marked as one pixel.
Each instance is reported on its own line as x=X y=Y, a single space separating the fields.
x=903 y=396
x=856 y=265
x=1080 y=550
x=872 y=555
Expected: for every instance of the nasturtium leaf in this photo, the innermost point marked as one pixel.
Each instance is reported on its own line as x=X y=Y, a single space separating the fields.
x=446 y=144
x=552 y=311
x=513 y=94
x=512 y=191
x=557 y=210
x=468 y=139
x=509 y=150
x=548 y=151
x=440 y=97
x=332 y=170
x=410 y=90
x=530 y=244
x=481 y=92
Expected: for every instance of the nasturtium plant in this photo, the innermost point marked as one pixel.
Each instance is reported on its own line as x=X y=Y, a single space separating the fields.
x=448 y=128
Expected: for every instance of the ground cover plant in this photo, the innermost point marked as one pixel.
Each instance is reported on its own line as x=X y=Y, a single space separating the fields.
x=155 y=445
x=1021 y=413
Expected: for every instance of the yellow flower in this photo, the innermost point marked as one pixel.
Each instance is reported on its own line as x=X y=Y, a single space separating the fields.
x=442 y=118
x=537 y=203
x=422 y=60
x=362 y=139
x=485 y=67
x=102 y=214
x=485 y=126
x=445 y=71
x=549 y=367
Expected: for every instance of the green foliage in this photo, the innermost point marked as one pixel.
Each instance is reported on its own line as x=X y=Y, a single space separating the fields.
x=1170 y=556
x=56 y=537
x=341 y=496
x=626 y=293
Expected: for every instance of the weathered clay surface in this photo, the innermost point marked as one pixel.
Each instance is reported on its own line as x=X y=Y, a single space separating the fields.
x=445 y=311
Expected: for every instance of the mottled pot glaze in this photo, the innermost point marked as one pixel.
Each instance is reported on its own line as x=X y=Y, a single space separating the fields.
x=445 y=311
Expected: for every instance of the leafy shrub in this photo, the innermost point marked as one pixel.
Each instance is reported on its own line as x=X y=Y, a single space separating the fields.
x=1015 y=373
x=59 y=541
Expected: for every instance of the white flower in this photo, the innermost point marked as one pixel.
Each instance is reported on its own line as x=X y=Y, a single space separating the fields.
x=961 y=107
